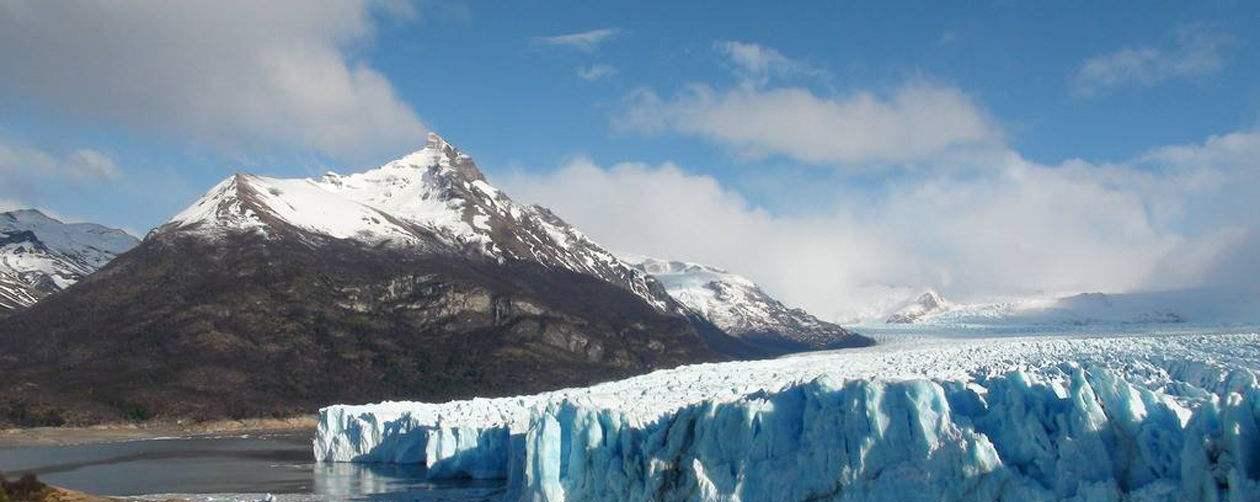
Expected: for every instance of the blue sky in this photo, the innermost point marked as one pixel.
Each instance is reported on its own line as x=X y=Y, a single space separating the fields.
x=819 y=114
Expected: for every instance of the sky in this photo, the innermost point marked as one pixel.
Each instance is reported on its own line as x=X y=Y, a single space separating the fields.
x=843 y=154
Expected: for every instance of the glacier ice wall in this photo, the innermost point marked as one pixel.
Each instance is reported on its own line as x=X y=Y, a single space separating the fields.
x=451 y=451
x=1090 y=436
x=1004 y=439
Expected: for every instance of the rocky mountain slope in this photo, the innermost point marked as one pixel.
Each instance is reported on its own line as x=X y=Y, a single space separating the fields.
x=40 y=255
x=742 y=309
x=275 y=296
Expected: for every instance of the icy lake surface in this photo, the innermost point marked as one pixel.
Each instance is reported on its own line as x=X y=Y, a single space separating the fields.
x=1157 y=412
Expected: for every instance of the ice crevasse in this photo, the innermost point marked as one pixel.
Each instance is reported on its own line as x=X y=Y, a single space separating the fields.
x=1094 y=433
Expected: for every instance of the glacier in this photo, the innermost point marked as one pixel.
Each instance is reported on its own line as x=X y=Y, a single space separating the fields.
x=1169 y=416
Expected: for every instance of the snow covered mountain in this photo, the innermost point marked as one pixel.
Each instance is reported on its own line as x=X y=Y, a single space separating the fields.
x=434 y=200
x=40 y=255
x=926 y=305
x=741 y=308
x=415 y=280
x=1202 y=305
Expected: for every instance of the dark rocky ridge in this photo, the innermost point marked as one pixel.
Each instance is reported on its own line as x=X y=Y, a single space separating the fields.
x=248 y=327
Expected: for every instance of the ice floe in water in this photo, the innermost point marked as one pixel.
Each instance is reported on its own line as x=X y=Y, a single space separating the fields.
x=1160 y=417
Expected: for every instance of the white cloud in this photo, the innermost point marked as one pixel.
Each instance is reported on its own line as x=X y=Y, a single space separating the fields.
x=596 y=72
x=587 y=41
x=242 y=75
x=756 y=64
x=1010 y=228
x=7 y=205
x=917 y=121
x=79 y=165
x=26 y=173
x=87 y=163
x=1195 y=52
x=1211 y=190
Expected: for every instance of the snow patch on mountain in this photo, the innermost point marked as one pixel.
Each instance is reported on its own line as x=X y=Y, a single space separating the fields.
x=434 y=200
x=1152 y=417
x=739 y=306
x=40 y=255
x=248 y=202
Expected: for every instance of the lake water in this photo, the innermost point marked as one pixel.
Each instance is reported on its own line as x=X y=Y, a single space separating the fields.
x=256 y=464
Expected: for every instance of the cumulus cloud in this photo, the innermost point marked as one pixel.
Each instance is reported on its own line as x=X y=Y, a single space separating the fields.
x=1011 y=228
x=586 y=41
x=1194 y=52
x=756 y=64
x=596 y=72
x=242 y=75
x=915 y=122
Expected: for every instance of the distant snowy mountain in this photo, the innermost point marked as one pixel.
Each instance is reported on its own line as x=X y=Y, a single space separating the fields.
x=741 y=308
x=1176 y=306
x=434 y=200
x=40 y=255
x=926 y=305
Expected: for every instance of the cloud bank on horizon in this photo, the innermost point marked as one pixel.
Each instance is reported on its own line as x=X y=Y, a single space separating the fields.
x=1177 y=217
x=861 y=190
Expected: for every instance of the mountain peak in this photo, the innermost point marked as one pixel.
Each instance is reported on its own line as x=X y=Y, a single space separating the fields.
x=228 y=204
x=431 y=201
x=927 y=304
x=436 y=142
x=441 y=154
x=930 y=299
x=28 y=216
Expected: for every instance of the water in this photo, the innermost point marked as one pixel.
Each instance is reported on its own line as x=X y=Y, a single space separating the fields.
x=255 y=464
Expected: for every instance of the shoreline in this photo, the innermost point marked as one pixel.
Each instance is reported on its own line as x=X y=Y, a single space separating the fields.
x=111 y=433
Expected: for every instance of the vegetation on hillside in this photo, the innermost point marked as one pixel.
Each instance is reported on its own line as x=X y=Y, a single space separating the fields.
x=26 y=489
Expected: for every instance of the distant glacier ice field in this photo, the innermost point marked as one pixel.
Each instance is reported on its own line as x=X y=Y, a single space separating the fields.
x=1122 y=413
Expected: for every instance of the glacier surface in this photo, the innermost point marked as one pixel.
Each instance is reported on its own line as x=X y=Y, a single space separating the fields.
x=1075 y=417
